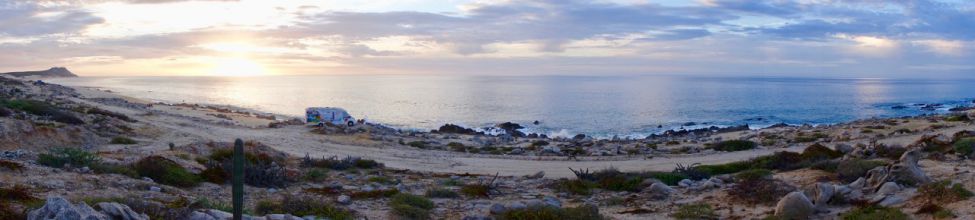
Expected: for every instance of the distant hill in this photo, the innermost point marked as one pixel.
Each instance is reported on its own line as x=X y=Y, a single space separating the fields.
x=52 y=72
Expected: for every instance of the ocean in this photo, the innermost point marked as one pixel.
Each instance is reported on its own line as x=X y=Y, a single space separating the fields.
x=601 y=106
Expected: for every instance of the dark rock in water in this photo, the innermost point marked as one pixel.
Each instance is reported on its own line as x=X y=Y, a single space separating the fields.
x=779 y=125
x=689 y=124
x=533 y=135
x=511 y=128
x=660 y=126
x=931 y=107
x=700 y=131
x=542 y=136
x=898 y=107
x=52 y=72
x=579 y=137
x=456 y=129
x=536 y=122
x=961 y=108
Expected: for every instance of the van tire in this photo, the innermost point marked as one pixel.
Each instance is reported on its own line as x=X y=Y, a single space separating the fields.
x=350 y=123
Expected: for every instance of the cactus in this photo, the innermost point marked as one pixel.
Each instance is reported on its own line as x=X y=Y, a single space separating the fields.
x=238 y=179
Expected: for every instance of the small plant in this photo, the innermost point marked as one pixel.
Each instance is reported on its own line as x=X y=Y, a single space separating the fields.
x=850 y=170
x=410 y=206
x=669 y=178
x=123 y=140
x=695 y=211
x=42 y=109
x=103 y=168
x=316 y=175
x=58 y=157
x=734 y=145
x=944 y=192
x=381 y=180
x=215 y=175
x=576 y=186
x=418 y=144
x=760 y=191
x=441 y=193
x=375 y=194
x=691 y=171
x=10 y=165
x=965 y=147
x=539 y=143
x=303 y=206
x=166 y=171
x=335 y=163
x=587 y=212
x=451 y=182
x=98 y=111
x=205 y=203
x=753 y=175
x=818 y=152
x=874 y=213
x=16 y=193
x=455 y=146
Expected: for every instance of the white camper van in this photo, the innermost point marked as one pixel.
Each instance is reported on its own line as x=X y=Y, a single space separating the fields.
x=320 y=115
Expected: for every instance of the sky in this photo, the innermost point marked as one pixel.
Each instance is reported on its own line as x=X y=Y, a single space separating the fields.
x=801 y=38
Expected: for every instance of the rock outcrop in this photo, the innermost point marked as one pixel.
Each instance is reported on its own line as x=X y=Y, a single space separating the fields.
x=795 y=205
x=52 y=72
x=57 y=208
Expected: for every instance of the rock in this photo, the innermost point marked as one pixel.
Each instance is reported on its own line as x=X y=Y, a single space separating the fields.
x=219 y=214
x=552 y=201
x=517 y=205
x=344 y=199
x=57 y=208
x=579 y=137
x=888 y=188
x=823 y=194
x=659 y=190
x=147 y=179
x=908 y=170
x=511 y=128
x=117 y=211
x=891 y=200
x=685 y=183
x=498 y=208
x=551 y=149
x=477 y=217
x=857 y=184
x=843 y=148
x=456 y=129
x=538 y=175
x=155 y=189
x=196 y=215
x=534 y=203
x=795 y=205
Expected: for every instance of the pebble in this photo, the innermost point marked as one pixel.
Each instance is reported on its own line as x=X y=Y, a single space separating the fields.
x=155 y=189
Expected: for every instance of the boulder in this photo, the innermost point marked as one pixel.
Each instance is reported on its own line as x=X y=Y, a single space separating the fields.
x=344 y=199
x=889 y=188
x=824 y=193
x=795 y=205
x=57 y=208
x=659 y=190
x=908 y=171
x=120 y=212
x=498 y=209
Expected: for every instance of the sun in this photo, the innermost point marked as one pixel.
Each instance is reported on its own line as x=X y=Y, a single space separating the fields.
x=237 y=67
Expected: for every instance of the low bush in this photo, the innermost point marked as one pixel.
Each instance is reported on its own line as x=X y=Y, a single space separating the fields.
x=874 y=213
x=104 y=168
x=455 y=146
x=215 y=175
x=10 y=165
x=418 y=144
x=410 y=206
x=98 y=111
x=303 y=206
x=695 y=211
x=965 y=147
x=760 y=191
x=587 y=212
x=889 y=152
x=753 y=175
x=166 y=171
x=42 y=109
x=476 y=190
x=943 y=192
x=668 y=178
x=576 y=186
x=205 y=203
x=335 y=163
x=58 y=157
x=734 y=145
x=539 y=143
x=4 y=112
x=316 y=175
x=818 y=152
x=16 y=193
x=375 y=194
x=851 y=170
x=691 y=172
x=957 y=118
x=441 y=193
x=123 y=140
x=381 y=180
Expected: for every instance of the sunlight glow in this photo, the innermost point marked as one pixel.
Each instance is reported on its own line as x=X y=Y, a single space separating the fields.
x=237 y=67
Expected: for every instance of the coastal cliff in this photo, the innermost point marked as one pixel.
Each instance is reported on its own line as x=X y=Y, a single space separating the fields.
x=53 y=72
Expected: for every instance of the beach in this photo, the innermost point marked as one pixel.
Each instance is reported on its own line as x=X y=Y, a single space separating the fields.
x=525 y=166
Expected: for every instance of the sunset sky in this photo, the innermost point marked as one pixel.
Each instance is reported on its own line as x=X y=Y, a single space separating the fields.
x=803 y=38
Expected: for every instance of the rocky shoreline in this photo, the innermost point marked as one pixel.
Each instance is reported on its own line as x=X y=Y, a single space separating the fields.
x=73 y=153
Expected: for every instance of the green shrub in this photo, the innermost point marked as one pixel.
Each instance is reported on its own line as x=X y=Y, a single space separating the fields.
x=944 y=192
x=759 y=191
x=103 y=168
x=366 y=164
x=123 y=140
x=12 y=166
x=166 y=171
x=418 y=144
x=695 y=211
x=539 y=143
x=727 y=168
x=381 y=180
x=576 y=186
x=818 y=152
x=441 y=193
x=455 y=146
x=316 y=174
x=410 y=206
x=98 y=111
x=75 y=157
x=965 y=146
x=890 y=152
x=553 y=213
x=451 y=182
x=42 y=109
x=205 y=203
x=215 y=175
x=303 y=206
x=668 y=178
x=850 y=170
x=476 y=190
x=375 y=194
x=340 y=164
x=957 y=118
x=735 y=145
x=753 y=175
x=874 y=213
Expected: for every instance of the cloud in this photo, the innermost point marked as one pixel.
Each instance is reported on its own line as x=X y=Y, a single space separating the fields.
x=25 y=19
